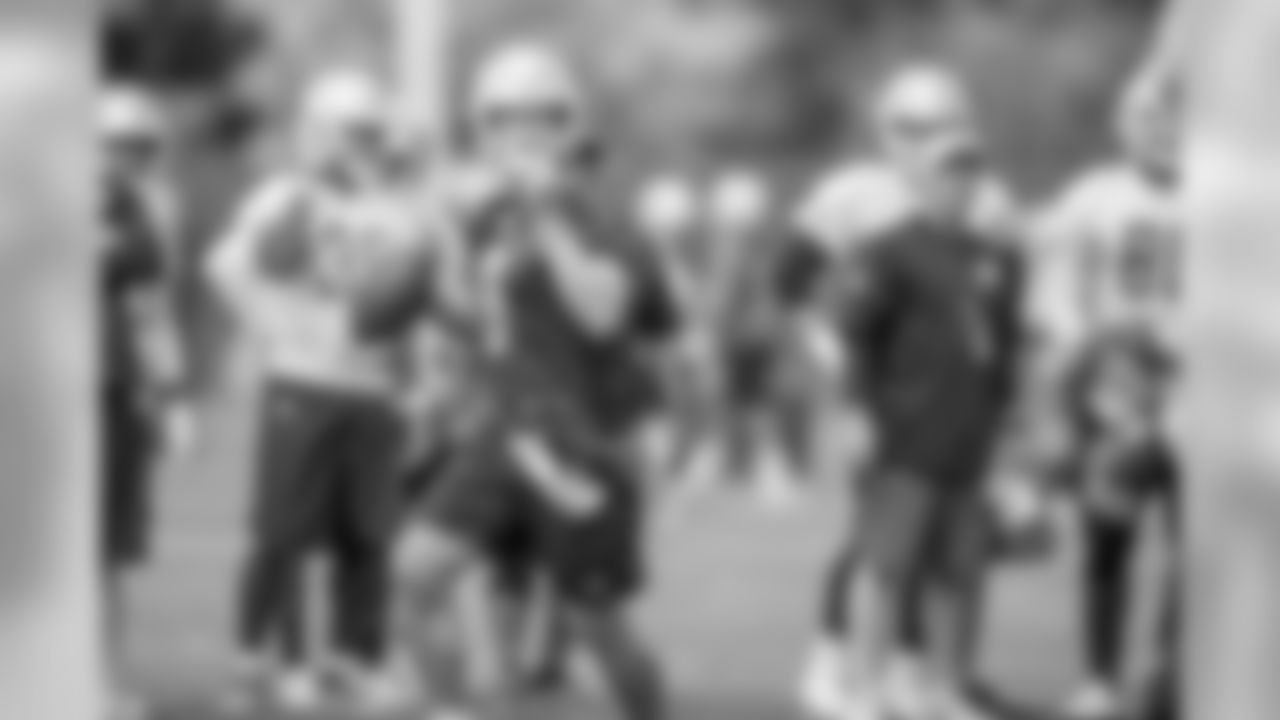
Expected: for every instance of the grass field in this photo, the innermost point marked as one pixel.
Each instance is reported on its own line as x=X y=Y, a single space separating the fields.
x=733 y=598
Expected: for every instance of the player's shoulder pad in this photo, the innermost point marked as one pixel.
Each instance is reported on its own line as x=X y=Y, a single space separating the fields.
x=273 y=195
x=853 y=203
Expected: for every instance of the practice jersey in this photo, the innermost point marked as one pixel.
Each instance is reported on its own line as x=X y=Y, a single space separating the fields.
x=292 y=267
x=1111 y=259
x=547 y=358
x=936 y=330
x=856 y=204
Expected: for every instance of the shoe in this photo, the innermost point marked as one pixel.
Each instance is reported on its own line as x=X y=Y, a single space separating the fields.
x=864 y=706
x=1095 y=701
x=953 y=704
x=822 y=692
x=298 y=691
x=907 y=689
x=374 y=692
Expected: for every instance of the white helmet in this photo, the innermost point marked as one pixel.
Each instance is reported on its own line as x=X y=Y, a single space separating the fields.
x=128 y=113
x=928 y=97
x=667 y=207
x=739 y=201
x=345 y=99
x=529 y=75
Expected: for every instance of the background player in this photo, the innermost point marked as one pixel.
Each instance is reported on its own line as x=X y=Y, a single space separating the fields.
x=142 y=412
x=935 y=320
x=1113 y=287
x=301 y=255
x=846 y=212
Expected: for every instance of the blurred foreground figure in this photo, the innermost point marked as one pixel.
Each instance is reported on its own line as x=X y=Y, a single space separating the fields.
x=1213 y=70
x=755 y=451
x=313 y=248
x=141 y=412
x=559 y=310
x=1112 y=288
x=837 y=230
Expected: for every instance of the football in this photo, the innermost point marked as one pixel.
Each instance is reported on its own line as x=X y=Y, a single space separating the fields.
x=393 y=293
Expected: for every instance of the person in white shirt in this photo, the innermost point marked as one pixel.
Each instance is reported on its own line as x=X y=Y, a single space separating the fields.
x=303 y=262
x=1110 y=295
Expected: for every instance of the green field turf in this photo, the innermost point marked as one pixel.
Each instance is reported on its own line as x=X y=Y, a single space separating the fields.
x=733 y=598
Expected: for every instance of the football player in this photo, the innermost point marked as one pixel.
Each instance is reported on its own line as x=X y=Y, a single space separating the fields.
x=669 y=214
x=561 y=310
x=930 y=318
x=304 y=258
x=846 y=212
x=143 y=375
x=758 y=447
x=1111 y=291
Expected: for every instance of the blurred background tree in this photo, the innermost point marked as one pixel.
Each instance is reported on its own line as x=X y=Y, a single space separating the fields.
x=785 y=81
x=688 y=85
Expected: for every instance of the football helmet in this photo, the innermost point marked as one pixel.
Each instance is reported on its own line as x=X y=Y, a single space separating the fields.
x=343 y=118
x=527 y=104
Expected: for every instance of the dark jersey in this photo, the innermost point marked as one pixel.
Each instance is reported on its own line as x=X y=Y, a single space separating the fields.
x=936 y=328
x=605 y=382
x=134 y=261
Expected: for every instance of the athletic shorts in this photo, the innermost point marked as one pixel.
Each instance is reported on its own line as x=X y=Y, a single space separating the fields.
x=483 y=499
x=750 y=366
x=128 y=459
x=914 y=528
x=328 y=467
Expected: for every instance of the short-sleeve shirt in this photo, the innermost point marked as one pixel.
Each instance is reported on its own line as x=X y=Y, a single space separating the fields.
x=853 y=205
x=1112 y=257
